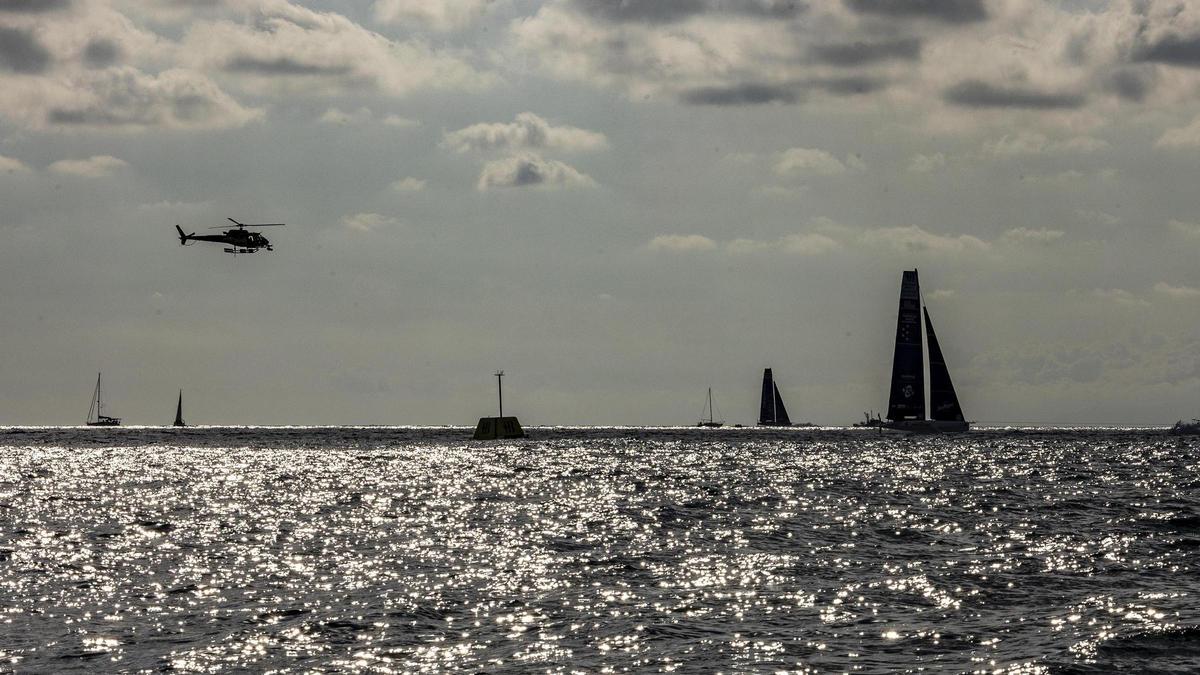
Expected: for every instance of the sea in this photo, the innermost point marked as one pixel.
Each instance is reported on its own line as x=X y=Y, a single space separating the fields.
x=402 y=549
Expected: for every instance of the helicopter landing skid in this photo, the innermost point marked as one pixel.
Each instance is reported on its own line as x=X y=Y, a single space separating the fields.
x=236 y=251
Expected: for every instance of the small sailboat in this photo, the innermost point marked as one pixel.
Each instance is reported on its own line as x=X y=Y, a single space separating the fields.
x=710 y=422
x=96 y=416
x=179 y=412
x=906 y=407
x=771 y=411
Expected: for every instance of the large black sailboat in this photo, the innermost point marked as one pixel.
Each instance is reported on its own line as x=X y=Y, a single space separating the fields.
x=771 y=412
x=96 y=416
x=906 y=406
x=179 y=412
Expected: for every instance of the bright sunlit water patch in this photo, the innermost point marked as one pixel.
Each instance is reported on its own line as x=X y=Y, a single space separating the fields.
x=399 y=550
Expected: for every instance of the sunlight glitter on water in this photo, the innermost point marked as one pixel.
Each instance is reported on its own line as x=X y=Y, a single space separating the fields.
x=394 y=550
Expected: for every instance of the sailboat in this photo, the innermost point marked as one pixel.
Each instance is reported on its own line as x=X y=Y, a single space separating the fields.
x=906 y=407
x=179 y=412
x=97 y=409
x=771 y=412
x=710 y=422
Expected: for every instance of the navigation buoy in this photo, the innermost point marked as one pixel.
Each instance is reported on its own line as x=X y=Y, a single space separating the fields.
x=494 y=428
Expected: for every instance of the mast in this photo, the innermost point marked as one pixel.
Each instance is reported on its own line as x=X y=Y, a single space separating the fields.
x=943 y=402
x=95 y=399
x=710 y=410
x=907 y=401
x=500 y=390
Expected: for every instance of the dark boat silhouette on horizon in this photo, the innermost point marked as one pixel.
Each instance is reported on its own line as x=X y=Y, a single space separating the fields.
x=906 y=406
x=96 y=416
x=179 y=412
x=710 y=422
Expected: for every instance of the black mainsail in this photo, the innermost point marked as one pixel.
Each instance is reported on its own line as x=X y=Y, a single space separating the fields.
x=771 y=411
x=943 y=402
x=907 y=400
x=179 y=412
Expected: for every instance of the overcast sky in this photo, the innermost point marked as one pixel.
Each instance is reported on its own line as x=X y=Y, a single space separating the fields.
x=619 y=202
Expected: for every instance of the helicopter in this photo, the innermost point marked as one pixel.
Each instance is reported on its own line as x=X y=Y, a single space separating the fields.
x=240 y=239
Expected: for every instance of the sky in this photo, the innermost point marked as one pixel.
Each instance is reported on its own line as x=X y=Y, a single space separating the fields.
x=620 y=203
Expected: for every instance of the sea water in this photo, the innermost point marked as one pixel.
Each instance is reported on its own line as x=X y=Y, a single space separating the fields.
x=620 y=550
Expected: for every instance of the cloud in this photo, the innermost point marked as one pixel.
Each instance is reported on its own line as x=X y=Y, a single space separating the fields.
x=681 y=242
x=927 y=163
x=367 y=222
x=10 y=165
x=409 y=184
x=101 y=53
x=125 y=97
x=814 y=162
x=1025 y=235
x=1033 y=143
x=290 y=49
x=95 y=166
x=671 y=11
x=979 y=94
x=1099 y=217
x=745 y=93
x=530 y=170
x=1171 y=49
x=400 y=122
x=438 y=15
x=32 y=6
x=1118 y=296
x=1184 y=228
x=20 y=52
x=1182 y=137
x=341 y=118
x=913 y=239
x=1177 y=292
x=948 y=11
x=526 y=132
x=865 y=53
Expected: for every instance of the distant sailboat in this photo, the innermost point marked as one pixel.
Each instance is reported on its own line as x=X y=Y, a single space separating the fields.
x=179 y=412
x=906 y=407
x=771 y=412
x=96 y=416
x=710 y=422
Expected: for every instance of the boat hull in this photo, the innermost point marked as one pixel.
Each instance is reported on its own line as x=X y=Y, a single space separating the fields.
x=105 y=422
x=927 y=426
x=711 y=425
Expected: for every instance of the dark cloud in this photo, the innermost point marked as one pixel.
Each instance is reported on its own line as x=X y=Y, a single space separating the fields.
x=978 y=94
x=863 y=53
x=20 y=52
x=645 y=11
x=669 y=11
x=848 y=86
x=281 y=66
x=949 y=11
x=749 y=93
x=1172 y=50
x=32 y=5
x=1131 y=84
x=101 y=53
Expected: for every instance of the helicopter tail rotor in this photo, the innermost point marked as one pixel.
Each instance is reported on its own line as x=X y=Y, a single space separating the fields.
x=183 y=238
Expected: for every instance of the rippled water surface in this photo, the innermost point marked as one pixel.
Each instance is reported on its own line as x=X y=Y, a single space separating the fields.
x=378 y=550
